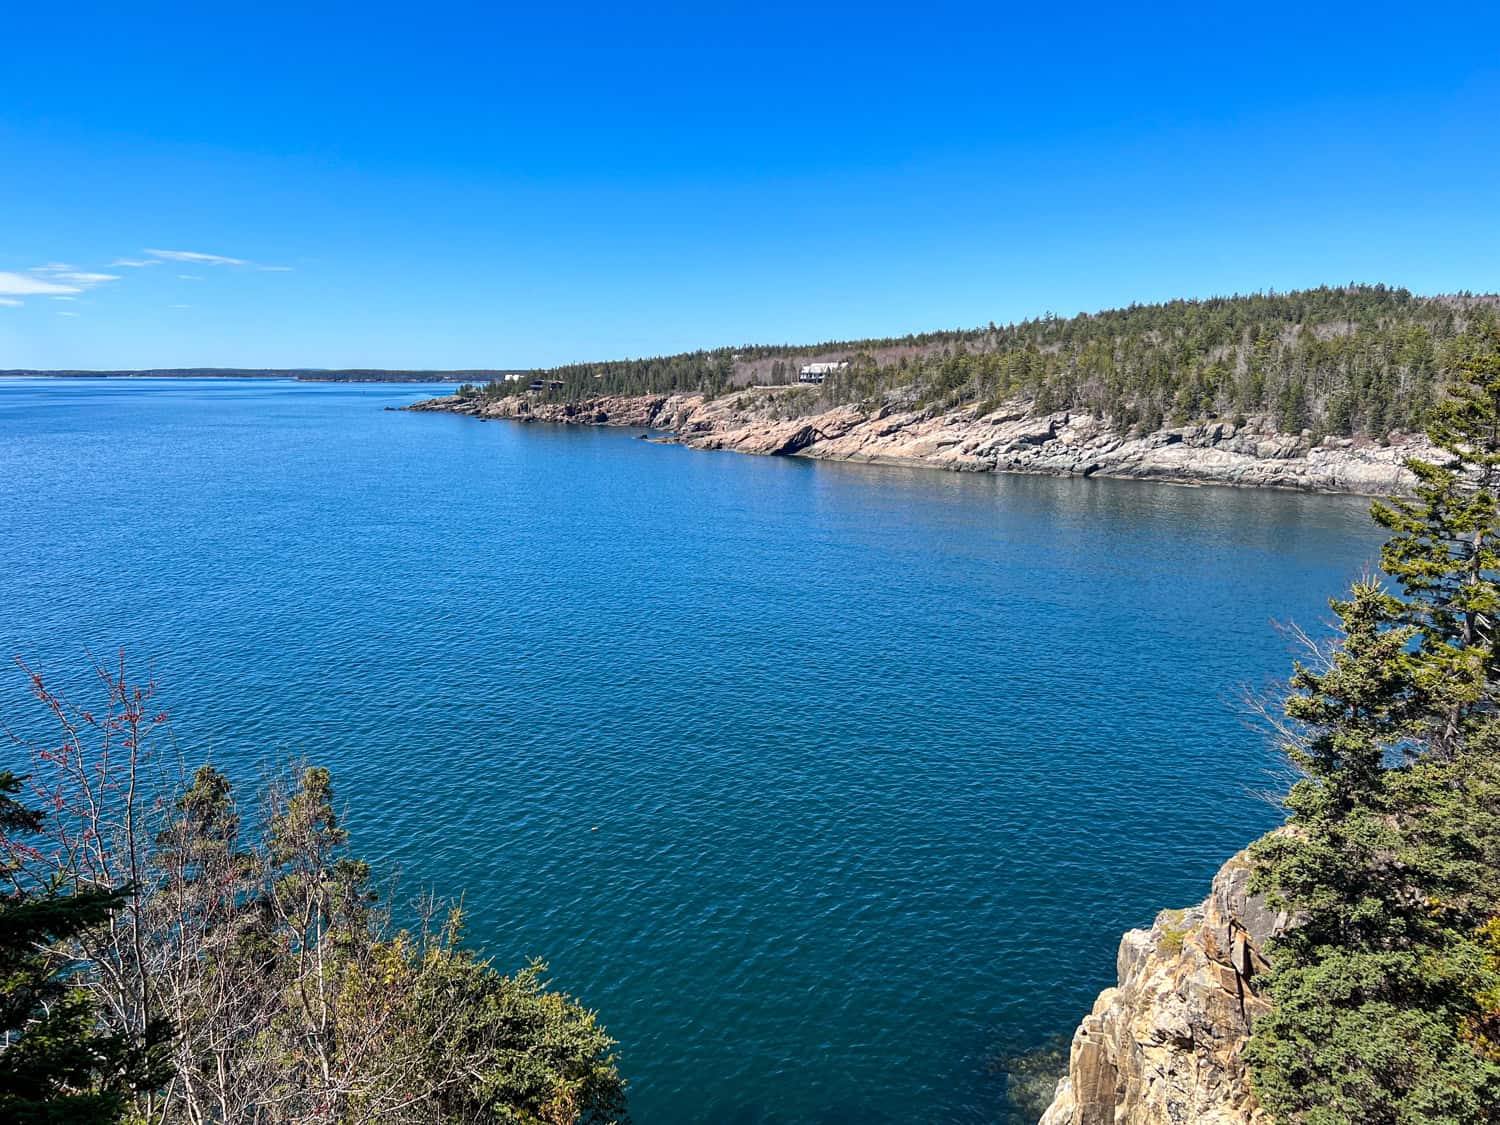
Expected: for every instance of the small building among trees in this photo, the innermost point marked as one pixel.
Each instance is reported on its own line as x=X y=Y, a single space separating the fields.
x=817 y=372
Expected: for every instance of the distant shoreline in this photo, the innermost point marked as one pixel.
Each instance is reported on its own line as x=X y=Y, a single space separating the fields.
x=301 y=375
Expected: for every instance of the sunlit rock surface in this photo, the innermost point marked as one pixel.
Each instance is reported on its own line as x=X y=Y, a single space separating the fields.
x=770 y=421
x=1165 y=1047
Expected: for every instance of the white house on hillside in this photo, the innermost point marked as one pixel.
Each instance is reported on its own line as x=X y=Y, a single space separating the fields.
x=817 y=372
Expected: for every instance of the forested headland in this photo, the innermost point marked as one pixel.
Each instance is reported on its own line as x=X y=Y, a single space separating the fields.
x=1356 y=360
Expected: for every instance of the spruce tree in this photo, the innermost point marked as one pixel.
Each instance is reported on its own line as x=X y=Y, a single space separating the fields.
x=1366 y=1025
x=1386 y=990
x=1443 y=548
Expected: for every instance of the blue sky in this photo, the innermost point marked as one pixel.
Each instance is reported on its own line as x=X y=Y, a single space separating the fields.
x=447 y=185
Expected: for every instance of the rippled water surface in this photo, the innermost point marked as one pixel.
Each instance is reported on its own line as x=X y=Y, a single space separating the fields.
x=881 y=761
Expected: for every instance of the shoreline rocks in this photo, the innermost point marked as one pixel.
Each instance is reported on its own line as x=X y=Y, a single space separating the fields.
x=765 y=421
x=1166 y=1045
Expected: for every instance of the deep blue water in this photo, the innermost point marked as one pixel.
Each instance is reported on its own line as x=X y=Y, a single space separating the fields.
x=881 y=761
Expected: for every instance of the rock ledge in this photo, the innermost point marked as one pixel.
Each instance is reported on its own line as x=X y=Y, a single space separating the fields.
x=1165 y=1047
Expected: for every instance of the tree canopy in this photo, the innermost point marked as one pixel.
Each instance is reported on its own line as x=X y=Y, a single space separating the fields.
x=1349 y=360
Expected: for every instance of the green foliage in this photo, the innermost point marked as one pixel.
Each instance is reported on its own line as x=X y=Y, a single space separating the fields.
x=295 y=996
x=56 y=1062
x=1352 y=360
x=1174 y=931
x=1386 y=990
x=1377 y=989
x=493 y=1047
x=1356 y=708
x=1443 y=549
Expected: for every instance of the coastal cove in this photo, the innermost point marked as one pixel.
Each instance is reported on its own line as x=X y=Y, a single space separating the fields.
x=881 y=761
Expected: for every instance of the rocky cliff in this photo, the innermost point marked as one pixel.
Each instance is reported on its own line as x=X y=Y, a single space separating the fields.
x=1165 y=1046
x=784 y=421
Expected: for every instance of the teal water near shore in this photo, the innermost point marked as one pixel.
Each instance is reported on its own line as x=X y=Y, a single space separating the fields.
x=829 y=786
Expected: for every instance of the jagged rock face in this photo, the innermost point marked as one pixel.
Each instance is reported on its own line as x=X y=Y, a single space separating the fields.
x=768 y=421
x=1166 y=1046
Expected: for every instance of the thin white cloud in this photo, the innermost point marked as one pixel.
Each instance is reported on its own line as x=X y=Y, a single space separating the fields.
x=76 y=280
x=66 y=313
x=179 y=306
x=189 y=277
x=64 y=298
x=28 y=285
x=195 y=256
x=11 y=301
x=82 y=278
x=136 y=263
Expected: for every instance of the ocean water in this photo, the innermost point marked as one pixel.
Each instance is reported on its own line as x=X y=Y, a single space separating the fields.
x=830 y=787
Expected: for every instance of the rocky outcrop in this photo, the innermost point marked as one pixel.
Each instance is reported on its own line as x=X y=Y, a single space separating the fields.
x=774 y=421
x=1165 y=1047
x=658 y=412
